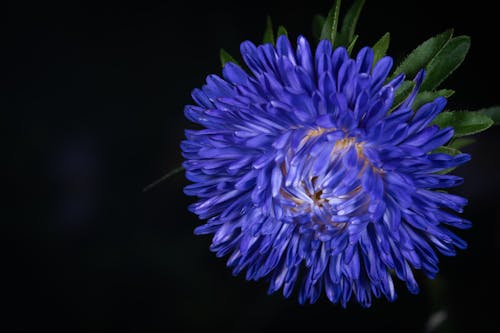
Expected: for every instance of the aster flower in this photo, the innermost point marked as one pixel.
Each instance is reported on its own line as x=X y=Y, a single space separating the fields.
x=311 y=177
x=327 y=174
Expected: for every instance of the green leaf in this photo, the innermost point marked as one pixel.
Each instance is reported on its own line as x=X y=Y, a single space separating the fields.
x=346 y=35
x=380 y=47
x=268 y=33
x=281 y=31
x=463 y=122
x=329 y=30
x=446 y=150
x=351 y=45
x=492 y=112
x=461 y=142
x=445 y=171
x=403 y=91
x=317 y=26
x=445 y=62
x=226 y=57
x=423 y=54
x=428 y=96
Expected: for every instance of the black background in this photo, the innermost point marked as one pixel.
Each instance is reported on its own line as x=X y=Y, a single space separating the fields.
x=93 y=97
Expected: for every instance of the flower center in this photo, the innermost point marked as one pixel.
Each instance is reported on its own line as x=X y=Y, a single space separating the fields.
x=324 y=182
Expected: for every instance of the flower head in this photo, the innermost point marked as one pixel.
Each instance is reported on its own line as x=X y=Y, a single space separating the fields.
x=311 y=177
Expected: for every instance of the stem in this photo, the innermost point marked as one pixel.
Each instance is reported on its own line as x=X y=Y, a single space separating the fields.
x=163 y=178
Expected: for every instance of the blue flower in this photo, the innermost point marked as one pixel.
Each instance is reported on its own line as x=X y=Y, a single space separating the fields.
x=310 y=176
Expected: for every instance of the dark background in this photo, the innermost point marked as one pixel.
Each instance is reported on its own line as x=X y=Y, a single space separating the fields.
x=93 y=97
